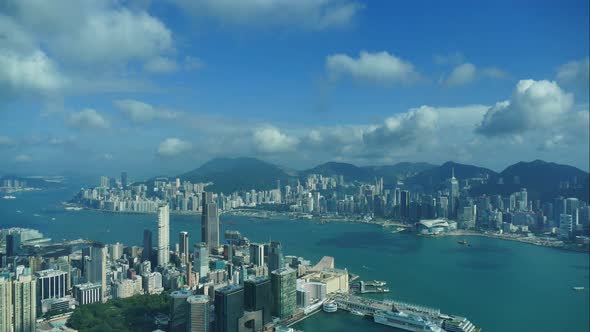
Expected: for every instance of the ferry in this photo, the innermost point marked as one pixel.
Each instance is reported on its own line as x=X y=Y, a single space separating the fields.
x=330 y=307
x=405 y=321
x=463 y=242
x=9 y=197
x=578 y=288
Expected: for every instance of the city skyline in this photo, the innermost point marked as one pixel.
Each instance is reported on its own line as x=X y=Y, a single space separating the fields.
x=349 y=83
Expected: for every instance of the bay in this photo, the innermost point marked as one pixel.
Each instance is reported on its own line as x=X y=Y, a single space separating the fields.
x=499 y=285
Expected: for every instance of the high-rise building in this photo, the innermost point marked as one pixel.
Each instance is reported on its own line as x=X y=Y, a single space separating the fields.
x=96 y=268
x=566 y=226
x=5 y=305
x=163 y=234
x=51 y=284
x=201 y=258
x=24 y=298
x=198 y=313
x=183 y=247
x=257 y=254
x=13 y=244
x=258 y=296
x=284 y=292
x=275 y=256
x=116 y=250
x=178 y=310
x=87 y=293
x=229 y=308
x=404 y=204
x=147 y=244
x=124 y=180
x=209 y=221
x=453 y=196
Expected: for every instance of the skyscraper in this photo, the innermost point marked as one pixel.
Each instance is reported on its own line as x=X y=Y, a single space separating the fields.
x=124 y=180
x=404 y=204
x=258 y=296
x=12 y=244
x=163 y=234
x=183 y=247
x=209 y=221
x=284 y=292
x=453 y=196
x=147 y=244
x=5 y=305
x=201 y=257
x=24 y=298
x=229 y=308
x=257 y=254
x=275 y=256
x=178 y=310
x=198 y=313
x=96 y=268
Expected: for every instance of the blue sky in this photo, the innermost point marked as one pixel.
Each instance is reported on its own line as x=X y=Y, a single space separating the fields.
x=161 y=87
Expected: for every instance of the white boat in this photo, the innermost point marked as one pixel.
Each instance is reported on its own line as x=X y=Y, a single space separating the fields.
x=358 y=313
x=405 y=321
x=9 y=197
x=578 y=288
x=330 y=307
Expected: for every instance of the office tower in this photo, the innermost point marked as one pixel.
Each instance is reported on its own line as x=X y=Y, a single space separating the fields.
x=201 y=257
x=12 y=244
x=258 y=296
x=453 y=196
x=559 y=207
x=5 y=305
x=116 y=250
x=24 y=298
x=87 y=293
x=198 y=313
x=404 y=205
x=163 y=234
x=229 y=308
x=51 y=284
x=209 y=222
x=524 y=200
x=275 y=256
x=284 y=292
x=147 y=244
x=104 y=181
x=95 y=268
x=183 y=247
x=124 y=180
x=257 y=254
x=566 y=226
x=178 y=310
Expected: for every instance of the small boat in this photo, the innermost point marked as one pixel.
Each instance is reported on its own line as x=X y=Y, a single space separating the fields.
x=356 y=312
x=52 y=218
x=578 y=288
x=36 y=215
x=463 y=242
x=9 y=197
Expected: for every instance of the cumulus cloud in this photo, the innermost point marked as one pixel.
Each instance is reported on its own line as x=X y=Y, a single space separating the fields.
x=140 y=112
x=379 y=67
x=31 y=73
x=467 y=72
x=575 y=74
x=461 y=75
x=88 y=119
x=160 y=65
x=23 y=158
x=403 y=128
x=493 y=72
x=306 y=14
x=534 y=105
x=173 y=146
x=271 y=139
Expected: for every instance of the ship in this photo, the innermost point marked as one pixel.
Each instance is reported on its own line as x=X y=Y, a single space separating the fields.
x=9 y=197
x=405 y=321
x=463 y=242
x=356 y=312
x=578 y=288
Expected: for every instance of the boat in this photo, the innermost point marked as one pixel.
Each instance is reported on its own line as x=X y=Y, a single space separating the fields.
x=356 y=312
x=578 y=288
x=405 y=321
x=330 y=307
x=463 y=242
x=9 y=197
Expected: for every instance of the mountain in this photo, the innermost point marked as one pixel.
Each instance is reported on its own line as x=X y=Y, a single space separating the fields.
x=542 y=179
x=231 y=174
x=400 y=170
x=435 y=177
x=349 y=171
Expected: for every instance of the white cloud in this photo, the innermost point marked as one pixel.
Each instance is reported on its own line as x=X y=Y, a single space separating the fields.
x=160 y=65
x=380 y=67
x=461 y=75
x=534 y=105
x=575 y=74
x=88 y=119
x=404 y=128
x=31 y=73
x=140 y=112
x=493 y=72
x=6 y=141
x=306 y=14
x=173 y=146
x=23 y=158
x=271 y=139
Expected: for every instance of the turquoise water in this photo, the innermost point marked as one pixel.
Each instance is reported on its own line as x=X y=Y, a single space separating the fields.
x=499 y=285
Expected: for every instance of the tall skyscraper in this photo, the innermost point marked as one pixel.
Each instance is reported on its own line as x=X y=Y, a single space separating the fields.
x=209 y=221
x=198 y=313
x=257 y=254
x=124 y=180
x=12 y=244
x=96 y=268
x=258 y=296
x=183 y=247
x=163 y=234
x=147 y=244
x=5 y=305
x=178 y=310
x=404 y=204
x=24 y=298
x=201 y=257
x=453 y=196
x=284 y=292
x=275 y=256
x=229 y=308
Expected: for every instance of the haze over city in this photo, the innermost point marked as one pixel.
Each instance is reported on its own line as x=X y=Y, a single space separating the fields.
x=166 y=86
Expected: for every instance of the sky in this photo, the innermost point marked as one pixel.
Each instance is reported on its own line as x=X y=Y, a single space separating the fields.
x=160 y=87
